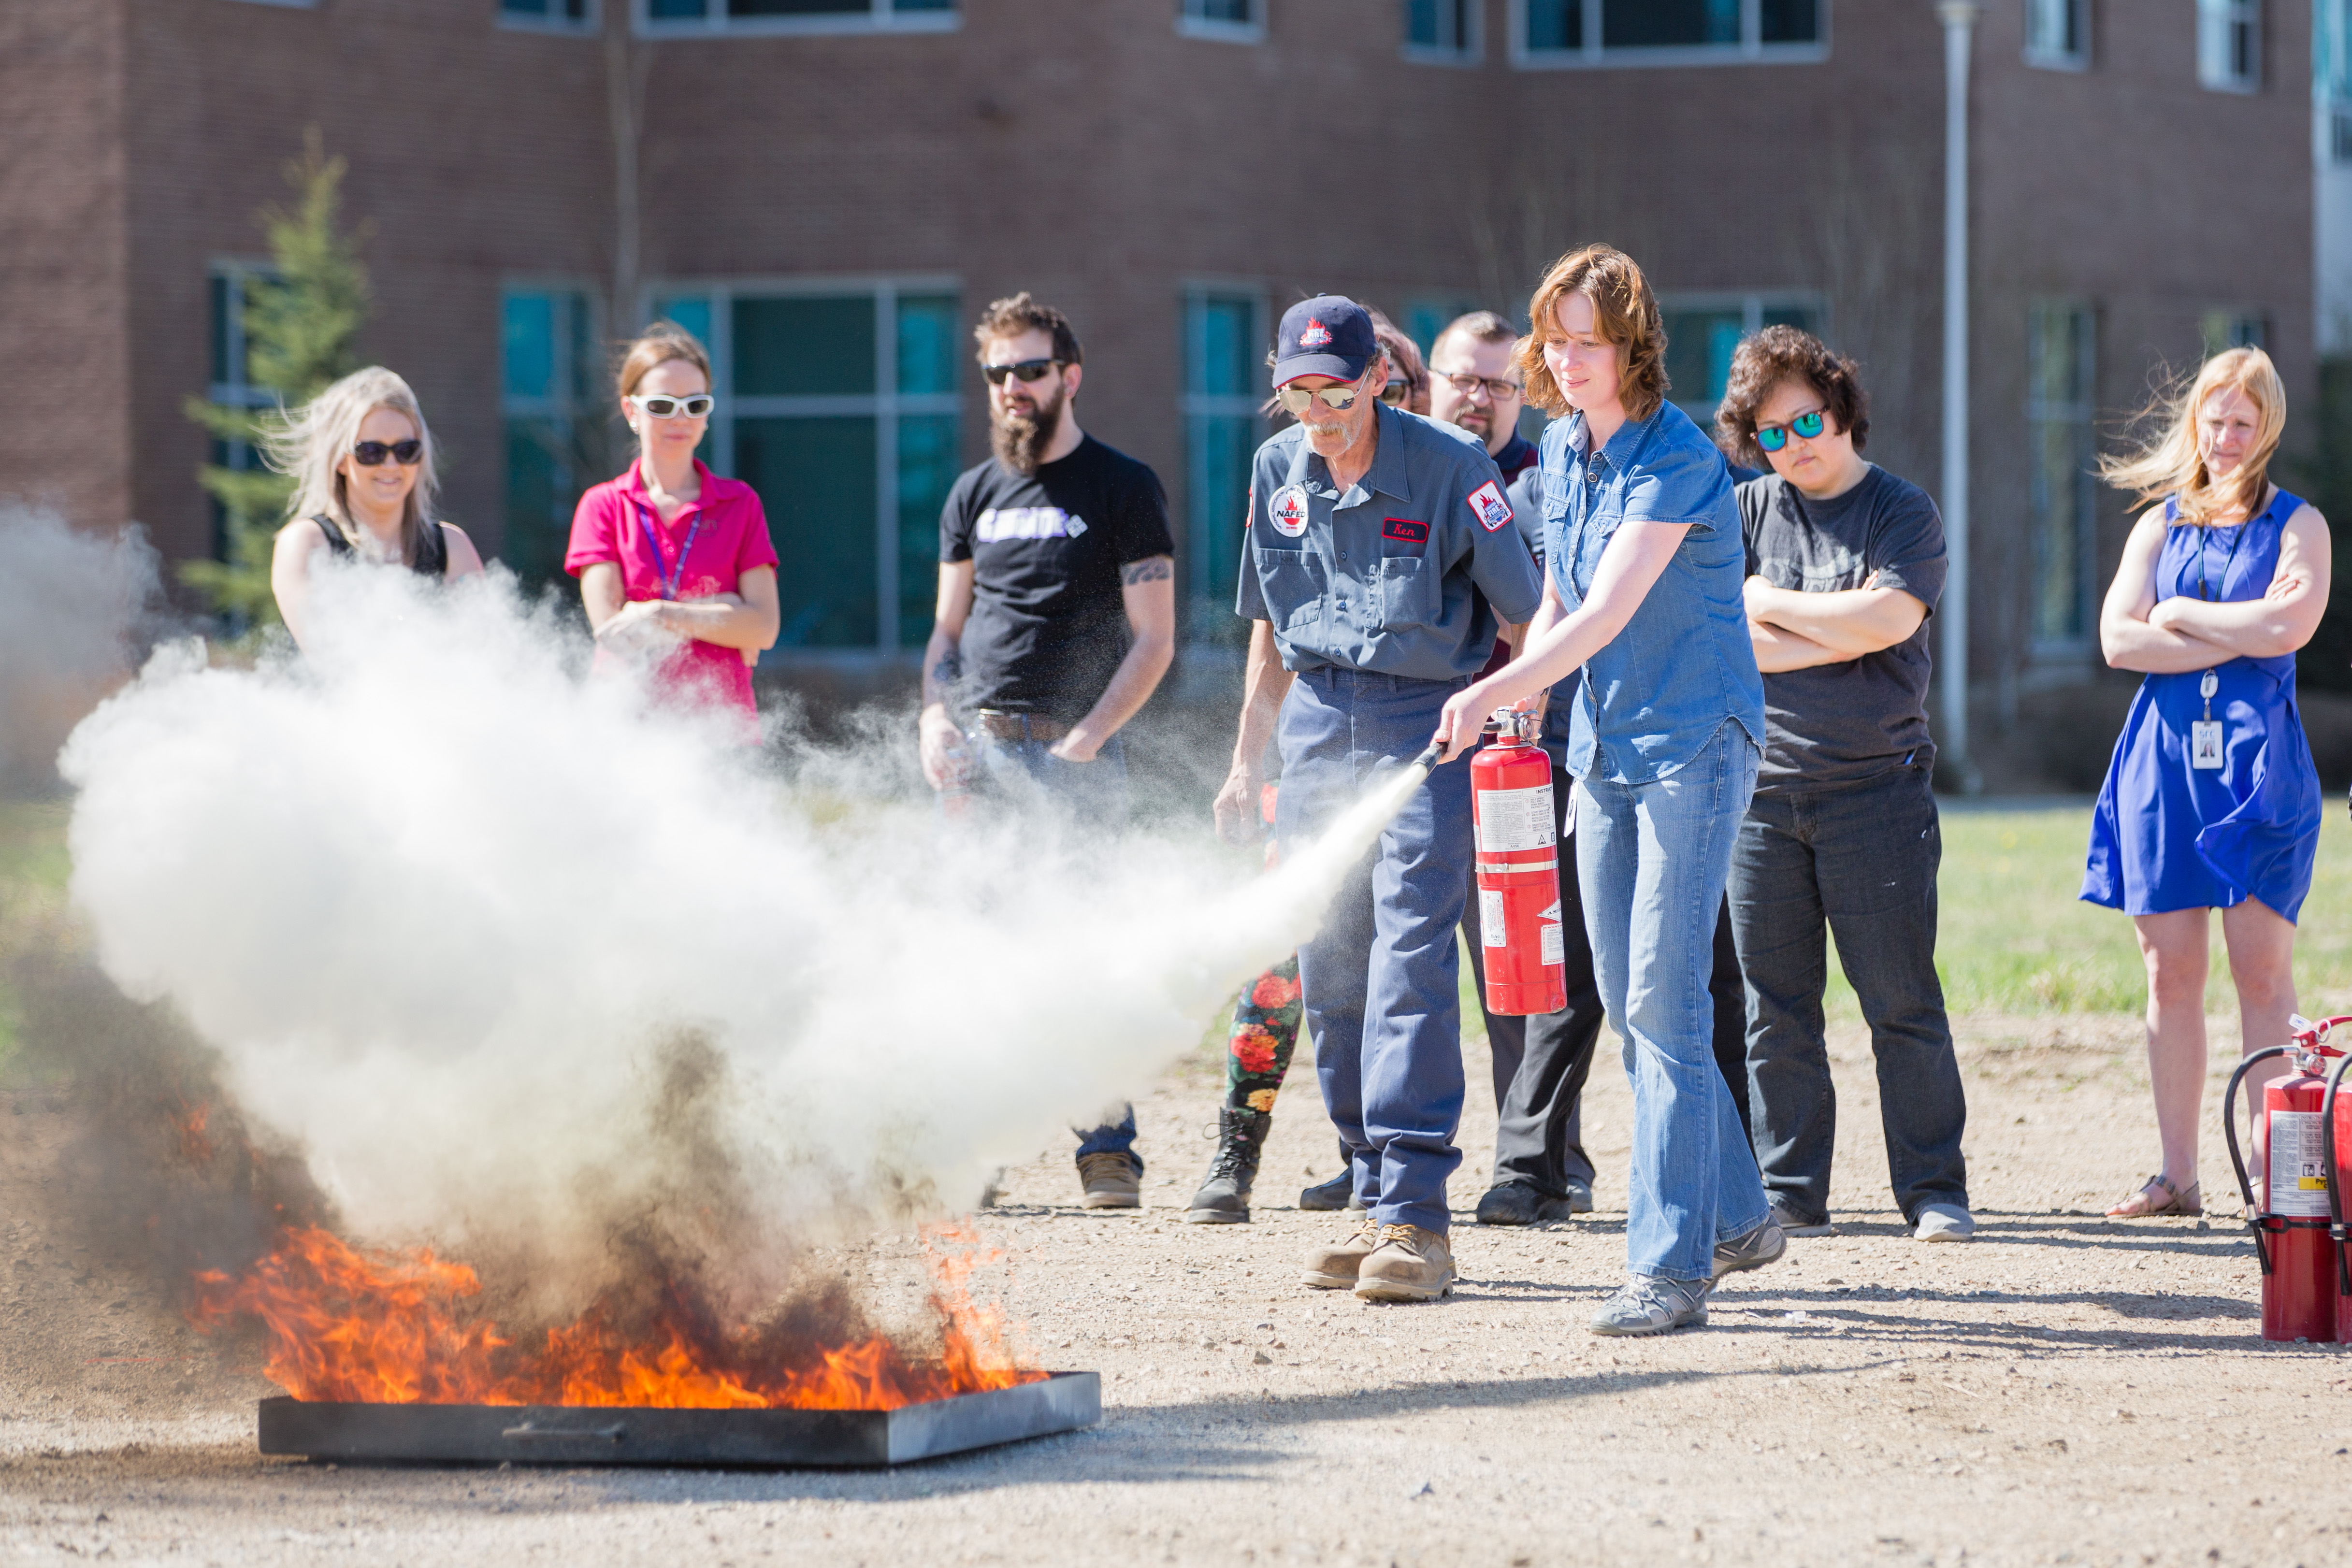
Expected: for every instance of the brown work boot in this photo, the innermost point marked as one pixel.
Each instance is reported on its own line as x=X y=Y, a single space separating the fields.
x=1112 y=1180
x=1409 y=1265
x=1334 y=1268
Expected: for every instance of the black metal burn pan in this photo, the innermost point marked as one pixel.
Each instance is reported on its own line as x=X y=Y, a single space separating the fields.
x=593 y=1435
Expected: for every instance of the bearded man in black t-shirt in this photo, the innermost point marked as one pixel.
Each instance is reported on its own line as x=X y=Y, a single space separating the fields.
x=1056 y=620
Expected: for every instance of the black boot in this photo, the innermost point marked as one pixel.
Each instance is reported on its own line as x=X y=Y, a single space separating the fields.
x=1339 y=1192
x=1224 y=1197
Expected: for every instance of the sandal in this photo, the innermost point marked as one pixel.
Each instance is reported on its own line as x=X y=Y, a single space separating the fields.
x=2141 y=1205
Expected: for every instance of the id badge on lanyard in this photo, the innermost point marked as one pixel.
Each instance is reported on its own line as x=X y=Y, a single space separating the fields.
x=2205 y=733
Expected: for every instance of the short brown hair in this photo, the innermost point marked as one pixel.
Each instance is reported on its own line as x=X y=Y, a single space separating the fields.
x=658 y=345
x=1479 y=326
x=1011 y=317
x=1625 y=313
x=1780 y=354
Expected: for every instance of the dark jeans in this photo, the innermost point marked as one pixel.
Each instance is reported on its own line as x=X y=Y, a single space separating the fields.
x=1540 y=1063
x=1860 y=863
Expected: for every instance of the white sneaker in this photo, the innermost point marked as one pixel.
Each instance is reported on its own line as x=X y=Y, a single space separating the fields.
x=1944 y=1222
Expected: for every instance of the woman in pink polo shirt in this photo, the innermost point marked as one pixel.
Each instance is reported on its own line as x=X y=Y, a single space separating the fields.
x=671 y=558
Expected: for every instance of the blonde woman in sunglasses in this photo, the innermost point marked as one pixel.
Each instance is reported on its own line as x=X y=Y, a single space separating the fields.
x=362 y=463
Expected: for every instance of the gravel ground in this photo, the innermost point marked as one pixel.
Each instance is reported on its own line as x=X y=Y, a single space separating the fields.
x=2063 y=1389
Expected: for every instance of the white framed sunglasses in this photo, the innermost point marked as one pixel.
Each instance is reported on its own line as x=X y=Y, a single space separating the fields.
x=659 y=405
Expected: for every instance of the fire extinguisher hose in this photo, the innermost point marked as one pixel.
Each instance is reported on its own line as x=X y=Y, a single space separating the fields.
x=2237 y=1156
x=2336 y=1232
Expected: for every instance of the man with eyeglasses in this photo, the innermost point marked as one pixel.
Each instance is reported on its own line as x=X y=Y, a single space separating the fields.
x=1056 y=620
x=1474 y=386
x=1845 y=563
x=1379 y=564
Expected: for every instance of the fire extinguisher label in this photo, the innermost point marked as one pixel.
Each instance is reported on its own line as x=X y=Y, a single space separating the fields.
x=1511 y=819
x=1490 y=920
x=1555 y=946
x=2298 y=1164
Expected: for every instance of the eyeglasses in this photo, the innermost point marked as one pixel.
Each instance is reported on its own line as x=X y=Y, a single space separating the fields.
x=1297 y=400
x=1772 y=437
x=658 y=406
x=1027 y=370
x=1396 y=394
x=371 y=454
x=1498 y=389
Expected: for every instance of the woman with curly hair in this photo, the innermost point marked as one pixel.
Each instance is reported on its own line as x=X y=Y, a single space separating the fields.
x=2210 y=801
x=1644 y=567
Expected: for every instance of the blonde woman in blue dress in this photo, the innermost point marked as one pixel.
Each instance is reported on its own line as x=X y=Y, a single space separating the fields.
x=2210 y=801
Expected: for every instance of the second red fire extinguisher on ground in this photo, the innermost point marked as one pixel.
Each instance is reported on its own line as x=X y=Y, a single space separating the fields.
x=2298 y=1160
x=1518 y=870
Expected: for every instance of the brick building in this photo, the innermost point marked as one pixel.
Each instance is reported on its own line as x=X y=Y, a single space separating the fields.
x=827 y=190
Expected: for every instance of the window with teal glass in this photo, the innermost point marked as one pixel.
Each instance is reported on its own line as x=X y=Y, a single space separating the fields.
x=838 y=404
x=1224 y=381
x=1666 y=32
x=665 y=16
x=548 y=16
x=1442 y=30
x=2061 y=391
x=229 y=348
x=554 y=433
x=1703 y=331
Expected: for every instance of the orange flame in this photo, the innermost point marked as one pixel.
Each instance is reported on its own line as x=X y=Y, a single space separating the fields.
x=391 y=1328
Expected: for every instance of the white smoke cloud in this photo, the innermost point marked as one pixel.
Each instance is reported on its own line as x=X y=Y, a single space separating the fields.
x=71 y=603
x=439 y=901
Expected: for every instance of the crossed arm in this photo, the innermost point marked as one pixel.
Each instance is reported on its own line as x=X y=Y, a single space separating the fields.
x=2137 y=632
x=747 y=620
x=1793 y=629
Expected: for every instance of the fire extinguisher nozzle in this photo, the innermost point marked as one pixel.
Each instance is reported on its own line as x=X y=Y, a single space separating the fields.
x=1427 y=761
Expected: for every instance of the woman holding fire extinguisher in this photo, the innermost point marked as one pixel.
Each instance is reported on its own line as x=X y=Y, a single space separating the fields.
x=674 y=563
x=1645 y=570
x=2210 y=801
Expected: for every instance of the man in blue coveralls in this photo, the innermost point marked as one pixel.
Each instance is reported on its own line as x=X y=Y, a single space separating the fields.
x=1380 y=565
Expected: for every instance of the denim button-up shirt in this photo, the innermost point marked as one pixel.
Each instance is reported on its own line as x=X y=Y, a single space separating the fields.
x=1682 y=665
x=1411 y=572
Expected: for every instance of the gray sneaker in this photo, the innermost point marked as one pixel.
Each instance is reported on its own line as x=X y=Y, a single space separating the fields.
x=1760 y=1246
x=1647 y=1305
x=1944 y=1222
x=1791 y=1223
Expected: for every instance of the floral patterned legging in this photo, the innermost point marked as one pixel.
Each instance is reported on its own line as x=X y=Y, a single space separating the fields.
x=1265 y=1033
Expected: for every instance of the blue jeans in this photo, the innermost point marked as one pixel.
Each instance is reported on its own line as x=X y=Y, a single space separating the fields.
x=1858 y=863
x=1653 y=858
x=1380 y=978
x=1024 y=776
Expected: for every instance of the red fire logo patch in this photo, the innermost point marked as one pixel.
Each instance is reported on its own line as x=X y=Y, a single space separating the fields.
x=1315 y=335
x=1487 y=501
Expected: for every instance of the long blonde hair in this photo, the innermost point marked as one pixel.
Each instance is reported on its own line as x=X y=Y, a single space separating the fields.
x=308 y=441
x=2168 y=462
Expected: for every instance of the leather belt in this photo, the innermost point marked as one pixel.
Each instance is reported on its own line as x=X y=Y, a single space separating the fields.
x=1020 y=725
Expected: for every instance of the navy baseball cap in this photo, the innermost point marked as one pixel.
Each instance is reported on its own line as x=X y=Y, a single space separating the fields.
x=1330 y=335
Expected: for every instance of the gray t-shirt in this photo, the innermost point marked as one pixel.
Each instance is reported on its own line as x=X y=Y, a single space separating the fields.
x=1845 y=723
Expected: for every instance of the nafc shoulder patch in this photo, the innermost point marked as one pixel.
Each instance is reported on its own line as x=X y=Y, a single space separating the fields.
x=1405 y=529
x=1487 y=501
x=1287 y=511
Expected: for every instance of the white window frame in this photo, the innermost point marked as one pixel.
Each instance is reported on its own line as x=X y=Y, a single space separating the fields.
x=2045 y=56
x=517 y=22
x=2079 y=650
x=1749 y=50
x=885 y=407
x=1217 y=29
x=1468 y=50
x=2218 y=22
x=881 y=16
x=1751 y=304
x=288 y=5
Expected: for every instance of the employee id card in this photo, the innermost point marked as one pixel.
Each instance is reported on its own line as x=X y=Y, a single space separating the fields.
x=2205 y=733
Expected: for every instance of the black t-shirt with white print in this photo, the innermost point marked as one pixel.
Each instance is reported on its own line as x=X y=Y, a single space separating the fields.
x=1048 y=623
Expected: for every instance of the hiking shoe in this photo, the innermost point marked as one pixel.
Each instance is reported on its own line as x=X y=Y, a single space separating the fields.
x=1758 y=1246
x=1519 y=1203
x=1409 y=1265
x=1647 y=1305
x=1334 y=1268
x=1112 y=1180
x=1944 y=1222
x=1579 y=1196
x=1337 y=1193
x=1792 y=1223
x=1224 y=1197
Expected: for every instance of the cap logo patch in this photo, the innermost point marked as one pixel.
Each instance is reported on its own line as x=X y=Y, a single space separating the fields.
x=1406 y=530
x=1289 y=511
x=1487 y=501
x=1315 y=335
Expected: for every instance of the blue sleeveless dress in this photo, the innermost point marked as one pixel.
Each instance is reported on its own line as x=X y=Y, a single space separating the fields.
x=2168 y=836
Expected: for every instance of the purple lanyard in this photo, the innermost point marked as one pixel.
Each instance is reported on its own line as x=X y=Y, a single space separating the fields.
x=670 y=580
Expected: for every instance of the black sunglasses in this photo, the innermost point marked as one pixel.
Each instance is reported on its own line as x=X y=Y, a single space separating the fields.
x=1772 y=437
x=1027 y=370
x=371 y=454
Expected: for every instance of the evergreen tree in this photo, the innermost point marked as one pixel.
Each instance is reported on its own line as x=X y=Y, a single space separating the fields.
x=299 y=323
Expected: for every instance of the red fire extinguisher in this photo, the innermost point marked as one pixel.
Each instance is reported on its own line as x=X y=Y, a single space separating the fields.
x=2294 y=1239
x=2336 y=1116
x=1518 y=870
